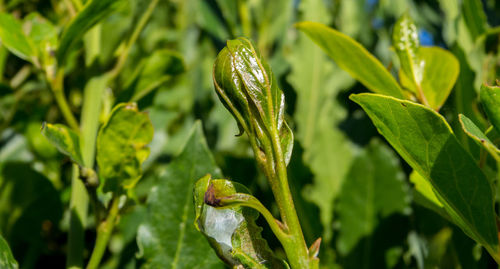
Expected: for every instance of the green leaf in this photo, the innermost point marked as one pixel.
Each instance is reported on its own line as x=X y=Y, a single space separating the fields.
x=353 y=58
x=7 y=261
x=14 y=39
x=475 y=18
x=44 y=36
x=232 y=232
x=317 y=82
x=154 y=71
x=122 y=147
x=65 y=140
x=424 y=194
x=374 y=189
x=424 y=139
x=91 y=14
x=28 y=203
x=475 y=133
x=407 y=44
x=490 y=99
x=440 y=72
x=168 y=238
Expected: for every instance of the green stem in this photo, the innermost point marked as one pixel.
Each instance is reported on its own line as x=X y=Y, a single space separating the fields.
x=103 y=234
x=78 y=219
x=135 y=35
x=295 y=248
x=58 y=90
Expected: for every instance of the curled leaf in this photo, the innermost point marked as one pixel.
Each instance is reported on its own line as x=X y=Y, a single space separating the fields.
x=231 y=231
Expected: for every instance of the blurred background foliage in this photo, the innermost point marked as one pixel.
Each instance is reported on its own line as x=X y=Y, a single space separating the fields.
x=350 y=188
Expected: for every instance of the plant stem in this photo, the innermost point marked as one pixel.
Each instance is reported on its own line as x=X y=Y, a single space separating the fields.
x=58 y=90
x=295 y=248
x=78 y=219
x=103 y=234
x=135 y=35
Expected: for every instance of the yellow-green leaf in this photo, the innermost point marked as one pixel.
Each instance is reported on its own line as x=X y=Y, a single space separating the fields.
x=65 y=140
x=440 y=72
x=122 y=147
x=14 y=39
x=353 y=58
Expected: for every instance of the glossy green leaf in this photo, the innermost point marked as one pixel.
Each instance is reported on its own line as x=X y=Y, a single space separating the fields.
x=407 y=45
x=7 y=261
x=424 y=139
x=374 y=188
x=14 y=39
x=122 y=147
x=65 y=140
x=440 y=72
x=247 y=87
x=350 y=56
x=475 y=133
x=317 y=82
x=91 y=14
x=168 y=238
x=232 y=231
x=490 y=99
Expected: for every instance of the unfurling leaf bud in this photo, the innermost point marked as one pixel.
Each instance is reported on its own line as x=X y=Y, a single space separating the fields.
x=247 y=87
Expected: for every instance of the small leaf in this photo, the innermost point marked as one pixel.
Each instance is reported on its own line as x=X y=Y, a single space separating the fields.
x=440 y=72
x=7 y=261
x=122 y=147
x=168 y=238
x=407 y=44
x=14 y=39
x=374 y=189
x=424 y=139
x=232 y=232
x=91 y=14
x=353 y=58
x=490 y=99
x=65 y=140
x=475 y=133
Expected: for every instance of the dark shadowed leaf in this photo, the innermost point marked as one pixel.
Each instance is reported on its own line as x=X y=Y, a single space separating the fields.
x=424 y=139
x=374 y=189
x=168 y=237
x=122 y=147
